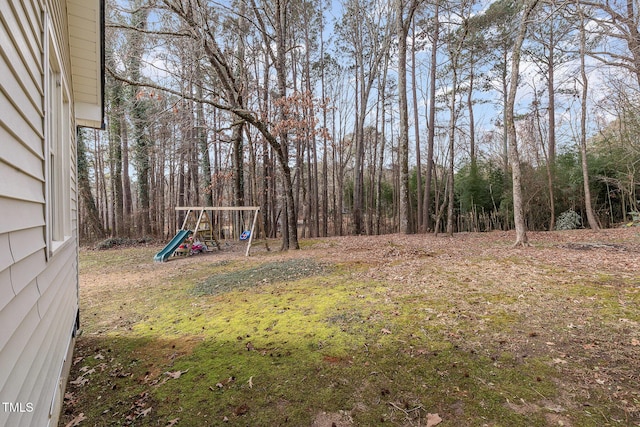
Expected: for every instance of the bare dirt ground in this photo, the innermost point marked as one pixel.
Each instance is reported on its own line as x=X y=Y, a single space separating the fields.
x=572 y=297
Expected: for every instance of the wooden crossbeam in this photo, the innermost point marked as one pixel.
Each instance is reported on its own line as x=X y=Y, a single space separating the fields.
x=220 y=208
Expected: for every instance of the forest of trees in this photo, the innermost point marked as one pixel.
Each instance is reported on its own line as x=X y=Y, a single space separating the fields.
x=365 y=116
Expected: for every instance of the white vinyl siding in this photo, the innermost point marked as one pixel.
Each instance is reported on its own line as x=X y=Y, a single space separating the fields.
x=38 y=351
x=38 y=208
x=20 y=156
x=26 y=214
x=23 y=53
x=16 y=184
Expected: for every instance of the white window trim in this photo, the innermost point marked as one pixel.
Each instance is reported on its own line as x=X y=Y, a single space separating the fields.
x=57 y=145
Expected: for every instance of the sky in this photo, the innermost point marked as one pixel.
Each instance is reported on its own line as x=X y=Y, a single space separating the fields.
x=488 y=113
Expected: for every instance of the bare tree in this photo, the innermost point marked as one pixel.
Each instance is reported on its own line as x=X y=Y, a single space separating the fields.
x=548 y=52
x=419 y=226
x=620 y=22
x=198 y=24
x=432 y=113
x=92 y=217
x=115 y=113
x=455 y=42
x=367 y=37
x=591 y=217
x=248 y=86
x=404 y=18
x=516 y=172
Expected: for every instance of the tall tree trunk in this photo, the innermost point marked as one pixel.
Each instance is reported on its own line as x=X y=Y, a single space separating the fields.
x=402 y=31
x=472 y=121
x=280 y=143
x=416 y=128
x=181 y=187
x=84 y=187
x=290 y=235
x=237 y=138
x=432 y=117
x=403 y=132
x=591 y=217
x=358 y=170
x=367 y=65
x=312 y=154
x=268 y=174
x=161 y=187
x=115 y=138
x=237 y=141
x=383 y=142
x=454 y=53
x=203 y=146
x=194 y=161
x=551 y=161
x=338 y=174
x=516 y=172
x=504 y=80
x=325 y=157
x=548 y=167
x=451 y=155
x=127 y=201
x=139 y=118
x=101 y=186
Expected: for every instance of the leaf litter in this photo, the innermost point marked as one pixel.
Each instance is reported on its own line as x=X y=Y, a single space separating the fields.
x=556 y=323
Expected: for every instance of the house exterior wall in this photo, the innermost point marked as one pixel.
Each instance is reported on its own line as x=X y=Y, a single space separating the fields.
x=38 y=210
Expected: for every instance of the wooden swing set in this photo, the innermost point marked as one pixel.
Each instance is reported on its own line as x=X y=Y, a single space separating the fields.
x=201 y=222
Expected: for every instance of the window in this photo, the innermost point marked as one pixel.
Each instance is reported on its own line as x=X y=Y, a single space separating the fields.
x=58 y=167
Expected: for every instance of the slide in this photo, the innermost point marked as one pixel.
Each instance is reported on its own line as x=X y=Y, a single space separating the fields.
x=171 y=247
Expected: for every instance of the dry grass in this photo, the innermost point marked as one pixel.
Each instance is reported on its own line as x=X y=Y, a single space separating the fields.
x=385 y=330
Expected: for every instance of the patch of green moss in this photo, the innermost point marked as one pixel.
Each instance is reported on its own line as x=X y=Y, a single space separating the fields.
x=612 y=300
x=310 y=243
x=225 y=381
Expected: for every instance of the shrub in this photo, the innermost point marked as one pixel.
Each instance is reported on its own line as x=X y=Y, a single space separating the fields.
x=569 y=220
x=114 y=242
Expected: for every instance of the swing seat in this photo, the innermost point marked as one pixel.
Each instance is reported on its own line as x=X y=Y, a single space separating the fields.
x=245 y=235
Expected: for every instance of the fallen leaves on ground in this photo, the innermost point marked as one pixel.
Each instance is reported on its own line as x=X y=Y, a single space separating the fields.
x=139 y=408
x=177 y=374
x=226 y=382
x=80 y=381
x=144 y=412
x=433 y=420
x=77 y=420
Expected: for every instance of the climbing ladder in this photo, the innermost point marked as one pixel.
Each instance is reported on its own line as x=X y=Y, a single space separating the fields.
x=200 y=222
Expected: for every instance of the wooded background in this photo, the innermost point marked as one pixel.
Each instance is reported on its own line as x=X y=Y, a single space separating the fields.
x=366 y=116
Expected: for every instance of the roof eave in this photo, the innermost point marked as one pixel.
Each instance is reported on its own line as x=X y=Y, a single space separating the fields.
x=86 y=22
